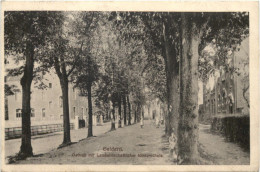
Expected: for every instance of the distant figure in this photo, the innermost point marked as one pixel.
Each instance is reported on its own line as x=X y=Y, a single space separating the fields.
x=142 y=122
x=161 y=120
x=231 y=101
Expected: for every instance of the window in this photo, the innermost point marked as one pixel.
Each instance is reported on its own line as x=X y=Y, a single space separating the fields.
x=60 y=101
x=50 y=85
x=18 y=113
x=43 y=112
x=82 y=111
x=50 y=104
x=32 y=112
x=6 y=109
x=86 y=111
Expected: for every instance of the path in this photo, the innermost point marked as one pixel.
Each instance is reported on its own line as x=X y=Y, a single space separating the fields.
x=220 y=151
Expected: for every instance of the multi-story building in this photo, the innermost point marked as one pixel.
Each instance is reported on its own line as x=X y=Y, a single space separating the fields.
x=47 y=105
x=230 y=91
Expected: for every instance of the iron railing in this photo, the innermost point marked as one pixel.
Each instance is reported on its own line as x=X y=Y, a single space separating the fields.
x=16 y=132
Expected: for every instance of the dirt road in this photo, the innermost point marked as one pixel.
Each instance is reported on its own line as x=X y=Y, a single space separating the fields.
x=140 y=146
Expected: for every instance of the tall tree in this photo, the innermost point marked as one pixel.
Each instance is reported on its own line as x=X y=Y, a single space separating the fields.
x=196 y=30
x=115 y=69
x=157 y=32
x=87 y=72
x=188 y=124
x=119 y=112
x=107 y=91
x=64 y=55
x=87 y=75
x=124 y=107
x=129 y=110
x=25 y=34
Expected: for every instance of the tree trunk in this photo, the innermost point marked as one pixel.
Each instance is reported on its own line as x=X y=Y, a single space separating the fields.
x=90 y=115
x=172 y=76
x=124 y=105
x=108 y=116
x=138 y=113
x=26 y=81
x=6 y=108
x=129 y=110
x=66 y=117
x=135 y=115
x=188 y=123
x=119 y=112
x=113 y=120
x=60 y=68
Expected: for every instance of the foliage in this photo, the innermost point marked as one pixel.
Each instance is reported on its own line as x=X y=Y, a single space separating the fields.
x=122 y=53
x=22 y=27
x=223 y=32
x=87 y=70
x=10 y=90
x=145 y=29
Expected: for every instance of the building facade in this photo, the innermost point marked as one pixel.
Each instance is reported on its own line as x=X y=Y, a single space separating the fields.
x=46 y=104
x=230 y=91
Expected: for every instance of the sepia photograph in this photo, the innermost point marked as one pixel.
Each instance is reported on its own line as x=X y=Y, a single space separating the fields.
x=112 y=87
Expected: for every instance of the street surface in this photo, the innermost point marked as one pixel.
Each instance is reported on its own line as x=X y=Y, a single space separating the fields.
x=127 y=142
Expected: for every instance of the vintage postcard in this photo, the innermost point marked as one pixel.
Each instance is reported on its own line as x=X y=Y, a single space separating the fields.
x=129 y=86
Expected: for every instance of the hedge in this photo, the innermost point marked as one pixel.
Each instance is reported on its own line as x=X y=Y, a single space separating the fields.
x=235 y=128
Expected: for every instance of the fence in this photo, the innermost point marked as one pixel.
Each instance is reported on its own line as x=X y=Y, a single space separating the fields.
x=16 y=132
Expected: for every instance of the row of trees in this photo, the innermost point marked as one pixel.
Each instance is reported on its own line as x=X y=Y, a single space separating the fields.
x=113 y=56
x=181 y=38
x=82 y=48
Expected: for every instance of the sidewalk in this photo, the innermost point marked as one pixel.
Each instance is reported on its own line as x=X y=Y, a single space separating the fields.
x=47 y=142
x=219 y=151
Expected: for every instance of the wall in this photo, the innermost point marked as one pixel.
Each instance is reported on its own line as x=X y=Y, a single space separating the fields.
x=48 y=99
